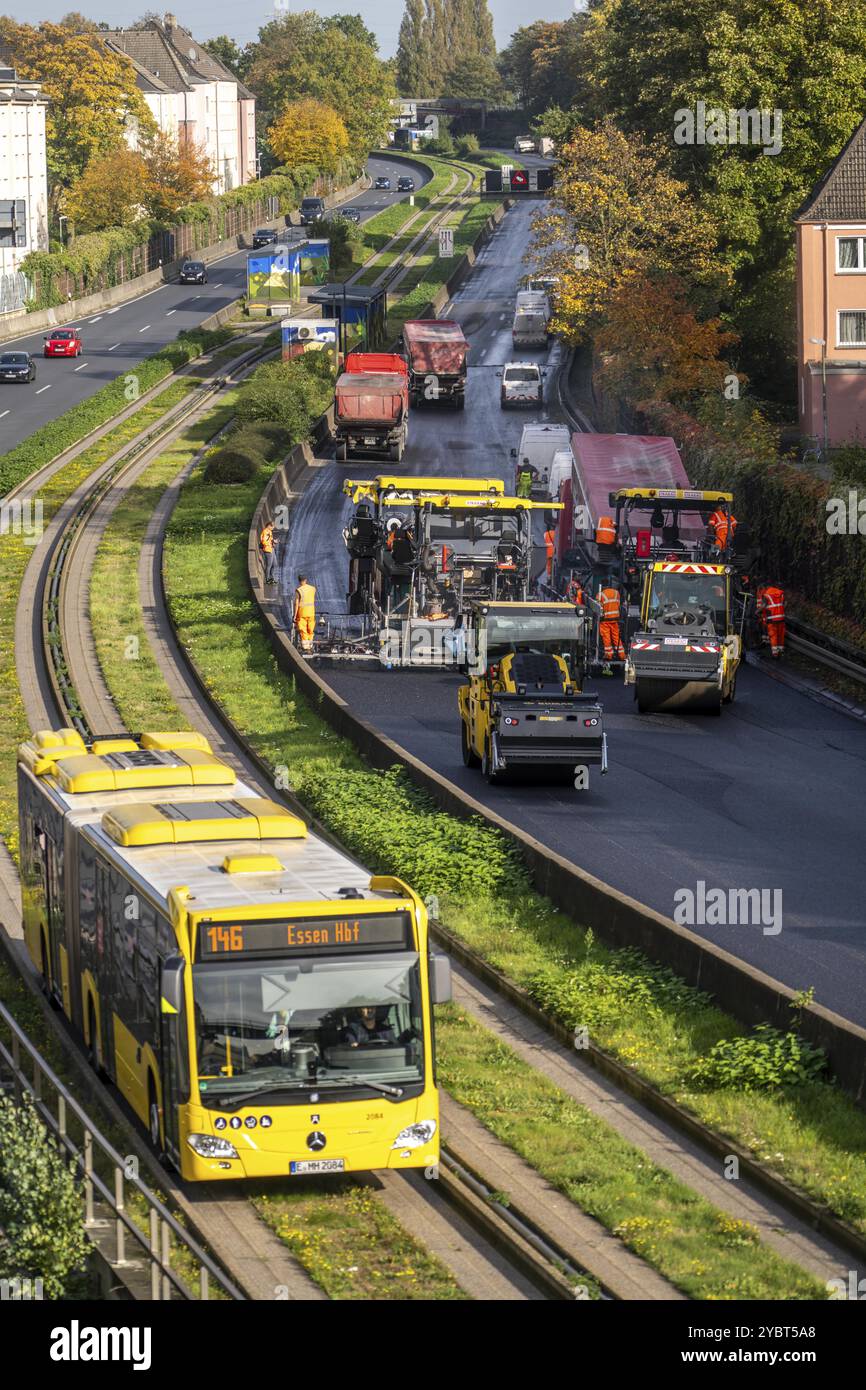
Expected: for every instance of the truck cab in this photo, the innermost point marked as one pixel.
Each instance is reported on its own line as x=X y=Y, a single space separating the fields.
x=524 y=706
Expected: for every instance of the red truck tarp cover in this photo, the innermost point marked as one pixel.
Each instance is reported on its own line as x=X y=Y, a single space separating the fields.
x=604 y=463
x=375 y=362
x=435 y=345
x=374 y=397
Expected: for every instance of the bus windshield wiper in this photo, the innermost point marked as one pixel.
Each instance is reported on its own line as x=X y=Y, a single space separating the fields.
x=373 y=1085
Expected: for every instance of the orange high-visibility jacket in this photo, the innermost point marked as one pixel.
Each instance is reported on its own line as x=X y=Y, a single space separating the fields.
x=575 y=593
x=305 y=601
x=550 y=542
x=772 y=603
x=266 y=539
x=719 y=523
x=609 y=600
x=605 y=532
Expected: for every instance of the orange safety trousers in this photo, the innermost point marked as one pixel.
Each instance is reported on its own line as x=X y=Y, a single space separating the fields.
x=776 y=634
x=609 y=634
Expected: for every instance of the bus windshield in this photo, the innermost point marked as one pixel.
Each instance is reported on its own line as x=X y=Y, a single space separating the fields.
x=278 y=1025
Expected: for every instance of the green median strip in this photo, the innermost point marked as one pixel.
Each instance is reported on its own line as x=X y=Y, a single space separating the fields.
x=703 y=1251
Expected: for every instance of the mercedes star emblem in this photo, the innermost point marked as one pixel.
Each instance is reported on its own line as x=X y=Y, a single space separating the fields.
x=316 y=1141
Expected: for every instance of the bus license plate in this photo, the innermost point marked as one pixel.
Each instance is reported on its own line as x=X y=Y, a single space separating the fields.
x=318 y=1165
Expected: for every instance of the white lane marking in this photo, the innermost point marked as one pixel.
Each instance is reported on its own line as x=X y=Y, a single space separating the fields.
x=483 y=352
x=3 y=414
x=43 y=388
x=174 y=311
x=116 y=345
x=144 y=330
x=96 y=320
x=219 y=286
x=83 y=365
x=111 y=311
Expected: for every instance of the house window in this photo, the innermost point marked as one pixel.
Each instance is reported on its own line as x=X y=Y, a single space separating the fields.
x=852 y=328
x=850 y=255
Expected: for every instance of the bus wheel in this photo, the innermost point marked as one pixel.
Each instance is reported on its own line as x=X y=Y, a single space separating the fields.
x=153 y=1115
x=470 y=757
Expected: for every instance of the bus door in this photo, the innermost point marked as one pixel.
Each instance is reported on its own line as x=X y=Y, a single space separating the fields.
x=52 y=897
x=172 y=1051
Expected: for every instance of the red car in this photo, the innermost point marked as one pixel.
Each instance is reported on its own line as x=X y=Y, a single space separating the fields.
x=63 y=342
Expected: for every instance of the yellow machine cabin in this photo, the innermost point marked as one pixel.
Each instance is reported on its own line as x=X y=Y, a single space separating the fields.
x=262 y=1003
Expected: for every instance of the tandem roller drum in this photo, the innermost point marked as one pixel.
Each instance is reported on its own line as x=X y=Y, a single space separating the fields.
x=655 y=695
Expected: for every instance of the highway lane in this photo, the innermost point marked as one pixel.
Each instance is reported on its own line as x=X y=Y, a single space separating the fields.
x=771 y=795
x=117 y=340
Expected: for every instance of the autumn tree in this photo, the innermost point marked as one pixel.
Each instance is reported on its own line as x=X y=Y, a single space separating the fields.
x=175 y=174
x=617 y=213
x=112 y=192
x=652 y=346
x=329 y=59
x=92 y=93
x=542 y=66
x=309 y=132
x=446 y=48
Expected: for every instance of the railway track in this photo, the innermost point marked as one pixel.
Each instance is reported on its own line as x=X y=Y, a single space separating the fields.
x=495 y=1252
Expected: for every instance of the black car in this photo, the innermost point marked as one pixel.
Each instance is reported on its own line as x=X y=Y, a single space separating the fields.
x=350 y=214
x=405 y=184
x=263 y=236
x=383 y=181
x=312 y=210
x=193 y=273
x=17 y=366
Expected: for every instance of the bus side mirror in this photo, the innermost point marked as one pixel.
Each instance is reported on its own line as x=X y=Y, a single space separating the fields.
x=171 y=990
x=440 y=978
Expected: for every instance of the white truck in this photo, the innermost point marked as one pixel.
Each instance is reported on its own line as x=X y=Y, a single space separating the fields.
x=531 y=326
x=545 y=451
x=524 y=144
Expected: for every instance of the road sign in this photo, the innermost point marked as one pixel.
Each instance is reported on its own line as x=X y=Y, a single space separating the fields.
x=446 y=243
x=519 y=179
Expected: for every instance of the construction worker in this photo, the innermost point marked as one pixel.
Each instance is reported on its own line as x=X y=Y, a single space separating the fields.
x=723 y=526
x=266 y=545
x=574 y=593
x=524 y=483
x=605 y=531
x=609 y=602
x=550 y=547
x=304 y=613
x=771 y=611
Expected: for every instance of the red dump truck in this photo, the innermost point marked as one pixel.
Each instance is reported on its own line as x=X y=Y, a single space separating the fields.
x=371 y=406
x=438 y=357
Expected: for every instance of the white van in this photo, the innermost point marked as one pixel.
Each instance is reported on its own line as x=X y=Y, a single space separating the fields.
x=522 y=384
x=538 y=450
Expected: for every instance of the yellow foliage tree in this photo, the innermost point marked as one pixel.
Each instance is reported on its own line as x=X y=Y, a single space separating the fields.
x=110 y=193
x=309 y=132
x=92 y=91
x=617 y=213
x=175 y=174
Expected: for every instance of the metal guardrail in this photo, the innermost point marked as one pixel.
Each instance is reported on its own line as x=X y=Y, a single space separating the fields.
x=826 y=650
x=155 y=1243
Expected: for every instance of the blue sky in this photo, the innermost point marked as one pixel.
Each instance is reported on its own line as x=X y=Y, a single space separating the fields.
x=205 y=18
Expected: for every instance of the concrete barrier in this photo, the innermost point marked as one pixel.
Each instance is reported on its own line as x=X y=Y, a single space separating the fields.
x=748 y=994
x=23 y=325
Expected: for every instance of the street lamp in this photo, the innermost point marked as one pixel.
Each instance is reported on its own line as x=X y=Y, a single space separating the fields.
x=61 y=218
x=822 y=344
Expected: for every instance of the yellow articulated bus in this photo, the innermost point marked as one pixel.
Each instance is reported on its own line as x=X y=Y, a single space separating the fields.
x=264 y=1005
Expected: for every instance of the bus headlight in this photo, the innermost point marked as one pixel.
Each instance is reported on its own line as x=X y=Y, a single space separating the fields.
x=211 y=1146
x=415 y=1135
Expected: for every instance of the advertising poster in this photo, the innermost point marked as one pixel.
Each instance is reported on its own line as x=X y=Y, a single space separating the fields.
x=309 y=335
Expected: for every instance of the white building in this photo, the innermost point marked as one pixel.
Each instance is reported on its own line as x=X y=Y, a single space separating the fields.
x=193 y=96
x=23 y=182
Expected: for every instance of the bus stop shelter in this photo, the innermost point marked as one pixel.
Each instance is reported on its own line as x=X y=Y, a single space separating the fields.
x=360 y=310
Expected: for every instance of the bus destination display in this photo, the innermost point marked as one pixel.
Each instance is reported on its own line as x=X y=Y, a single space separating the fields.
x=378 y=931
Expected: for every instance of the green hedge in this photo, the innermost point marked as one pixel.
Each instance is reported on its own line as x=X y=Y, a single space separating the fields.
x=785 y=508
x=55 y=436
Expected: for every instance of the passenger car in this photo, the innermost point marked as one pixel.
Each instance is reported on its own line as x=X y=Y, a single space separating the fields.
x=62 y=342
x=351 y=214
x=383 y=181
x=405 y=184
x=193 y=273
x=263 y=236
x=17 y=366
x=312 y=209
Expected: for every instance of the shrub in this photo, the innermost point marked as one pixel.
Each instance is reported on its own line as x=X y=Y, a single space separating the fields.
x=762 y=1060
x=232 y=465
x=443 y=144
x=289 y=394
x=264 y=437
x=467 y=145
x=41 y=1217
x=342 y=235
